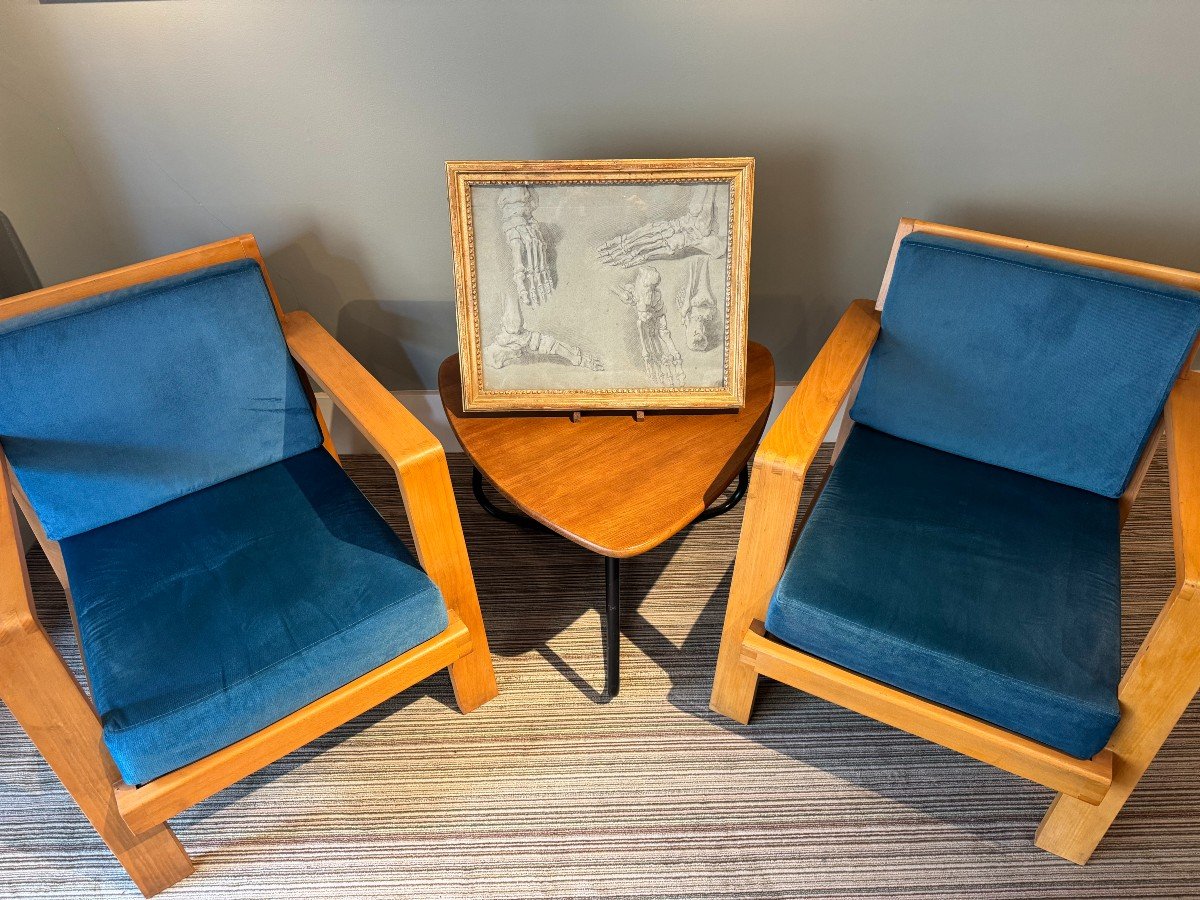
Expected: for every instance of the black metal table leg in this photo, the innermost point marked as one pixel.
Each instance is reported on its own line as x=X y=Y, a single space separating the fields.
x=612 y=571
x=612 y=626
x=491 y=508
x=732 y=500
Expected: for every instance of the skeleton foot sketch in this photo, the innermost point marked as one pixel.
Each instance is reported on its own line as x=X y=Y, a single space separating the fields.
x=697 y=307
x=540 y=254
x=515 y=343
x=532 y=273
x=662 y=360
x=700 y=230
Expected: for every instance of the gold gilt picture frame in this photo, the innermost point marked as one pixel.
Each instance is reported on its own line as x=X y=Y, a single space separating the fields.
x=617 y=284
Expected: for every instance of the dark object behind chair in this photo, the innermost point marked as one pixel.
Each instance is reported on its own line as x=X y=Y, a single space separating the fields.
x=17 y=275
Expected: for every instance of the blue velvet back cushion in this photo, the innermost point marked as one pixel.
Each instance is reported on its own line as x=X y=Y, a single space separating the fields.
x=129 y=399
x=1009 y=358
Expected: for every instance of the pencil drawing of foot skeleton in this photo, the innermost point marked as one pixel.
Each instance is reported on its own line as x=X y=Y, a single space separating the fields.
x=697 y=307
x=516 y=343
x=532 y=272
x=699 y=230
x=662 y=360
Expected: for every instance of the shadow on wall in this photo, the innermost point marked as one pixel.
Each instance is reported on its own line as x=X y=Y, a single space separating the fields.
x=791 y=258
x=801 y=246
x=401 y=341
x=406 y=340
x=17 y=275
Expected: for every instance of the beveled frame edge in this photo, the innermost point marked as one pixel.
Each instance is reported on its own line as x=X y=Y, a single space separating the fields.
x=739 y=171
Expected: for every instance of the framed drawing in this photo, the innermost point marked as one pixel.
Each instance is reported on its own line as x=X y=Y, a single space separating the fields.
x=602 y=284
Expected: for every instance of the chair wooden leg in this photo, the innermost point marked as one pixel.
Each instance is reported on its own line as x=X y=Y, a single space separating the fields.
x=45 y=699
x=735 y=683
x=1165 y=675
x=474 y=679
x=762 y=553
x=1160 y=683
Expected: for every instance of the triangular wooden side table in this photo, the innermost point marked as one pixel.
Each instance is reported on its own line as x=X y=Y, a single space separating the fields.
x=615 y=483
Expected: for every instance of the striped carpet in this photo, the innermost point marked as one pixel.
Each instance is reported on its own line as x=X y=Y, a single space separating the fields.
x=545 y=793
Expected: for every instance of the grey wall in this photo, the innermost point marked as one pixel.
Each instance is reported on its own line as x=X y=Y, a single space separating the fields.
x=137 y=128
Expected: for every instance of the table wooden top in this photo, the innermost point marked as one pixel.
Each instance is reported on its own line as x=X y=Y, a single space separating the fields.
x=610 y=483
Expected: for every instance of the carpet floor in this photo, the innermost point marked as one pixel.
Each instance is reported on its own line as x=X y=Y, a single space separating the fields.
x=545 y=792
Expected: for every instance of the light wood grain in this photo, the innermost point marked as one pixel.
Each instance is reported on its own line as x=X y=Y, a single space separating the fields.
x=420 y=465
x=796 y=435
x=1156 y=689
x=776 y=480
x=1177 y=277
x=163 y=267
x=52 y=708
x=146 y=806
x=18 y=615
x=462 y=174
x=43 y=696
x=904 y=230
x=49 y=547
x=609 y=482
x=1183 y=455
x=1164 y=676
x=1130 y=494
x=1086 y=779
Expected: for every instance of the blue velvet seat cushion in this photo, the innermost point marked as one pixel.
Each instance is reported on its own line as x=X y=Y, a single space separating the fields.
x=210 y=617
x=979 y=588
x=128 y=399
x=1049 y=368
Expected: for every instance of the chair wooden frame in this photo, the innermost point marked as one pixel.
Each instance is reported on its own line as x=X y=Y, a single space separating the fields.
x=53 y=708
x=1156 y=688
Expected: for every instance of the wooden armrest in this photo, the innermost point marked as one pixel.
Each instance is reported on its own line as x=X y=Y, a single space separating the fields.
x=1183 y=454
x=794 y=439
x=383 y=420
x=424 y=478
x=776 y=485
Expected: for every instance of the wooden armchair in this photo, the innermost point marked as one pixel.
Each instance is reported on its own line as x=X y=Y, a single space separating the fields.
x=234 y=595
x=957 y=575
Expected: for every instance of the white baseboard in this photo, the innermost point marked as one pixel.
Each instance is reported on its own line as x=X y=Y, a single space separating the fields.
x=427 y=407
